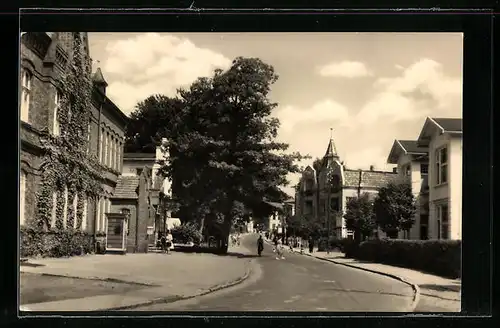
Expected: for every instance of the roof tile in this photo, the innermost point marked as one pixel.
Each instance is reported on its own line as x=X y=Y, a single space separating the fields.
x=126 y=187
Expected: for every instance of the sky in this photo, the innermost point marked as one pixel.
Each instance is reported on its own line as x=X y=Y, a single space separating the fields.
x=369 y=88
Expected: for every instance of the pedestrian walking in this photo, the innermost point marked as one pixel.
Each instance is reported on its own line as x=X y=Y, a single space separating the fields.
x=279 y=250
x=311 y=245
x=260 y=245
x=170 y=242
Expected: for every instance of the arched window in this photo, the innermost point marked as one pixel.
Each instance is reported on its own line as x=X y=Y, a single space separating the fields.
x=26 y=80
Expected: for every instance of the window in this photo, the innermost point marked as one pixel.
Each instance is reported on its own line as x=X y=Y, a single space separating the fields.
x=407 y=170
x=22 y=195
x=322 y=206
x=309 y=207
x=309 y=184
x=75 y=210
x=424 y=169
x=53 y=217
x=441 y=166
x=84 y=214
x=334 y=204
x=424 y=223
x=57 y=105
x=65 y=212
x=26 y=80
x=89 y=131
x=444 y=223
x=101 y=146
x=105 y=152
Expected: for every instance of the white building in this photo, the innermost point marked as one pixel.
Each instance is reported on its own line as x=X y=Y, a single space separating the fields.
x=434 y=164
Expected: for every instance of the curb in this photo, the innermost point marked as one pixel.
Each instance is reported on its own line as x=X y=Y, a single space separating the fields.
x=416 y=289
x=175 y=298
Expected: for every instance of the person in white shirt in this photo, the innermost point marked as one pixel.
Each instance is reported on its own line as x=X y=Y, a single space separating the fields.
x=170 y=242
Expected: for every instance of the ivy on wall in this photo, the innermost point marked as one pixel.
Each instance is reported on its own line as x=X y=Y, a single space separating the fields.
x=66 y=162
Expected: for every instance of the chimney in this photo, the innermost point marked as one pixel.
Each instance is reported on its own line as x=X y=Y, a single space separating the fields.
x=394 y=170
x=372 y=167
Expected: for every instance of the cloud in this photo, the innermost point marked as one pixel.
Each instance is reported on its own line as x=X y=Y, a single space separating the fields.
x=152 y=63
x=348 y=69
x=421 y=89
x=323 y=111
x=362 y=159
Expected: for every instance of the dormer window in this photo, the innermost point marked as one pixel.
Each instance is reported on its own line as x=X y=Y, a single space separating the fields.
x=26 y=80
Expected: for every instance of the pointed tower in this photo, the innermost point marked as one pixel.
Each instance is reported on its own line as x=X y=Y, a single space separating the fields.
x=331 y=153
x=99 y=81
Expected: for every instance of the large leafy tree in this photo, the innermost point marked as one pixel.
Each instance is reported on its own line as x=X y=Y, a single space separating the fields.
x=155 y=117
x=360 y=216
x=226 y=145
x=394 y=208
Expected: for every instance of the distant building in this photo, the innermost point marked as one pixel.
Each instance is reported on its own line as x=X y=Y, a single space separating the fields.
x=143 y=202
x=325 y=192
x=434 y=163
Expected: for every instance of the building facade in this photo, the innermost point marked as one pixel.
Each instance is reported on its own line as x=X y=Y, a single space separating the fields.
x=412 y=162
x=434 y=162
x=44 y=58
x=440 y=154
x=324 y=193
x=142 y=189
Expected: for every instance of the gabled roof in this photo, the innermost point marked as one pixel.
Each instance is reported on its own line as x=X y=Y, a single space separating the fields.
x=443 y=125
x=410 y=147
x=449 y=124
x=126 y=187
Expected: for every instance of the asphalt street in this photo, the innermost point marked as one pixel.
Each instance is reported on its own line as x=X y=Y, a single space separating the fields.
x=301 y=283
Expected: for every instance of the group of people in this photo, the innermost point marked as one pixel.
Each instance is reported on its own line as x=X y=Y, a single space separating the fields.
x=235 y=239
x=279 y=248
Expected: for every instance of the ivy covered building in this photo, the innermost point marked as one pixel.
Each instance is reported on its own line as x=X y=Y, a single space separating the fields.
x=324 y=191
x=72 y=135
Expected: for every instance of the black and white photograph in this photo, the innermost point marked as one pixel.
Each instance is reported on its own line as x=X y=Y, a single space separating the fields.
x=233 y=172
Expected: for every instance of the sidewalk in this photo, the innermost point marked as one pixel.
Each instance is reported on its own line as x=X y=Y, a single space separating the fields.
x=171 y=277
x=435 y=293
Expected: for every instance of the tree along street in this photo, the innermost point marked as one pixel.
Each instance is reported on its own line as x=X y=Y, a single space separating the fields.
x=301 y=283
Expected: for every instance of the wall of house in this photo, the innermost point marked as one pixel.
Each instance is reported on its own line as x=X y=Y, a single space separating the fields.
x=131 y=204
x=416 y=185
x=144 y=218
x=455 y=187
x=437 y=193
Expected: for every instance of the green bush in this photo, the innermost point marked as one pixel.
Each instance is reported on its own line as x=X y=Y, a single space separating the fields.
x=186 y=232
x=441 y=257
x=57 y=243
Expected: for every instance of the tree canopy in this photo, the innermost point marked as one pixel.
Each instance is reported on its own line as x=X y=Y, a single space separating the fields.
x=224 y=157
x=360 y=217
x=394 y=208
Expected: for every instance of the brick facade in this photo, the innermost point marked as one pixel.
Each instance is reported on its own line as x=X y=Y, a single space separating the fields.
x=45 y=56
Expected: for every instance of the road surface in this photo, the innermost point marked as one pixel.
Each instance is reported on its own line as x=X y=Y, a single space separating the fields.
x=301 y=283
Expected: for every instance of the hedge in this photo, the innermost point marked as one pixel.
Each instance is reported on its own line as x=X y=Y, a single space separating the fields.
x=441 y=257
x=59 y=243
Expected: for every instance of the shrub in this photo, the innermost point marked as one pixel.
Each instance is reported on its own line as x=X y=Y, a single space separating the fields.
x=186 y=232
x=441 y=257
x=57 y=243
